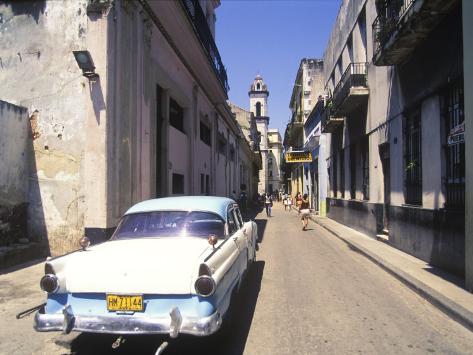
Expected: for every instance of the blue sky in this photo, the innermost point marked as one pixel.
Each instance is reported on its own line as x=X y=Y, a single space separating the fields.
x=271 y=37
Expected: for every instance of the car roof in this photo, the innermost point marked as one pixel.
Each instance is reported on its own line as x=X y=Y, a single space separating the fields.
x=213 y=204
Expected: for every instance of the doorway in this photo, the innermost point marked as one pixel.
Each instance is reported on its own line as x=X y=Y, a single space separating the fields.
x=385 y=162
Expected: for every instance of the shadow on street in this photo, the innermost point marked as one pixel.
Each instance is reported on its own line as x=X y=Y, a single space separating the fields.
x=230 y=341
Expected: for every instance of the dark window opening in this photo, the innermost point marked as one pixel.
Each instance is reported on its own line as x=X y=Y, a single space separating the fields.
x=232 y=153
x=207 y=184
x=353 y=171
x=176 y=115
x=413 y=159
x=258 y=109
x=366 y=169
x=342 y=172
x=222 y=145
x=205 y=134
x=178 y=184
x=202 y=184
x=335 y=175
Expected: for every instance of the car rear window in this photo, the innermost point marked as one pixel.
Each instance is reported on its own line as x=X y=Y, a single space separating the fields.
x=170 y=224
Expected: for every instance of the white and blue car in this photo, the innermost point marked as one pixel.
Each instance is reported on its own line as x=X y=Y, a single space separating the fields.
x=172 y=266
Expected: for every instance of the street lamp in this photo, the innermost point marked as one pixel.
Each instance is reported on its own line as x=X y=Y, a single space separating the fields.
x=85 y=62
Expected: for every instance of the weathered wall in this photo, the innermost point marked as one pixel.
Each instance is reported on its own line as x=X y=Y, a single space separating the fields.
x=41 y=74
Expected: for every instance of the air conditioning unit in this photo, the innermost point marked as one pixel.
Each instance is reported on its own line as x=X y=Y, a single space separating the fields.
x=98 y=6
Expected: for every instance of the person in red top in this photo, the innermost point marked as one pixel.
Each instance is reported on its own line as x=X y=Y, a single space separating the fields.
x=304 y=211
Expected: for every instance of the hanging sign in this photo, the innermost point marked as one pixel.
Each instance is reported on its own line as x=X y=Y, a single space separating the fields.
x=457 y=134
x=298 y=157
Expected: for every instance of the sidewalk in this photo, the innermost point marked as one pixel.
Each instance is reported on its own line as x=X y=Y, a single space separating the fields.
x=438 y=287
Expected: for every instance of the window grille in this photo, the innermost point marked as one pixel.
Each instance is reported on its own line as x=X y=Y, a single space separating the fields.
x=413 y=159
x=452 y=109
x=342 y=172
x=353 y=171
x=366 y=168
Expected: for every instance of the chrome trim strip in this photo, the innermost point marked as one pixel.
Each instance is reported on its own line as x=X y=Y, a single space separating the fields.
x=129 y=324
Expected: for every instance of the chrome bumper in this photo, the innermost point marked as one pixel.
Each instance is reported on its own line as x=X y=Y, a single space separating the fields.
x=127 y=324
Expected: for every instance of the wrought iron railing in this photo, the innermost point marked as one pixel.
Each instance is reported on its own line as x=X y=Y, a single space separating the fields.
x=390 y=12
x=354 y=75
x=199 y=22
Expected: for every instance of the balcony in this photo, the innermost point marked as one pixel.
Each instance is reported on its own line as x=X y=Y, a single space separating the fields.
x=330 y=122
x=352 y=89
x=201 y=28
x=402 y=24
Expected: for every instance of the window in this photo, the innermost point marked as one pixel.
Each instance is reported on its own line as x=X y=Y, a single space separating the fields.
x=176 y=115
x=258 y=109
x=232 y=152
x=232 y=224
x=177 y=184
x=222 y=145
x=335 y=175
x=353 y=171
x=366 y=169
x=413 y=159
x=238 y=220
x=202 y=184
x=270 y=173
x=258 y=86
x=207 y=184
x=342 y=172
x=455 y=145
x=205 y=135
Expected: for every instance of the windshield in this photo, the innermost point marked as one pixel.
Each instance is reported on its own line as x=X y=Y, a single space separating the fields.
x=170 y=224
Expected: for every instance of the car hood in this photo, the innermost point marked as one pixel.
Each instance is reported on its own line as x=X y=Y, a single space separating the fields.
x=151 y=266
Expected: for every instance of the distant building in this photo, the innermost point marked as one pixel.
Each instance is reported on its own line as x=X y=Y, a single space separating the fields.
x=308 y=87
x=250 y=158
x=274 y=160
x=259 y=108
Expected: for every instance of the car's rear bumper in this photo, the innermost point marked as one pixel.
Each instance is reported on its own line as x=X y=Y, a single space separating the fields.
x=127 y=324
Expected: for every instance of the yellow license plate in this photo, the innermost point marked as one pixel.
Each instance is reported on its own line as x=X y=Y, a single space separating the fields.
x=124 y=303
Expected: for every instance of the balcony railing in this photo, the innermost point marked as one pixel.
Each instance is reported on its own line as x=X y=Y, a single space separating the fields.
x=402 y=24
x=199 y=22
x=353 y=77
x=330 y=122
x=389 y=15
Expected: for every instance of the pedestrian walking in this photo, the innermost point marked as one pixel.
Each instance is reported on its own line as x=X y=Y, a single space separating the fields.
x=304 y=211
x=268 y=202
x=286 y=202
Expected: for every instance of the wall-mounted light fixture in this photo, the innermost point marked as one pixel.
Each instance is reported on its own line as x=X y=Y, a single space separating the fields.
x=85 y=62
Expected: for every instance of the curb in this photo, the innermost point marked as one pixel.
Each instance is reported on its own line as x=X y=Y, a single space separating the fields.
x=446 y=305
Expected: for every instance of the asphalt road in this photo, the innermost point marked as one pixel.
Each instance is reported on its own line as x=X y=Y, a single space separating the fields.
x=308 y=293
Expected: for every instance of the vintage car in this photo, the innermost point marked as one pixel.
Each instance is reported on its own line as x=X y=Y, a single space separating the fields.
x=172 y=266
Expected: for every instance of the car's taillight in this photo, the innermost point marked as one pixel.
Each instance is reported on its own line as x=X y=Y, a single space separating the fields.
x=49 y=283
x=205 y=286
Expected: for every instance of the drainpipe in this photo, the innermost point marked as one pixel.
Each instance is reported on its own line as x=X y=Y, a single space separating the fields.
x=468 y=93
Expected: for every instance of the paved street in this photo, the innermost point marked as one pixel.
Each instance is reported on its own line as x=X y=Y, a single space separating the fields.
x=309 y=293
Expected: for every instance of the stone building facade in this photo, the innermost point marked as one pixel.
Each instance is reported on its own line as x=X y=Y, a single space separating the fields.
x=148 y=118
x=395 y=126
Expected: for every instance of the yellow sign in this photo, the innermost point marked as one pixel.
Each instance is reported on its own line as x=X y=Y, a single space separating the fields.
x=298 y=157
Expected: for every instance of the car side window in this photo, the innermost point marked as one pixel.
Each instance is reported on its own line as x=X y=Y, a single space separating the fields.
x=239 y=217
x=232 y=224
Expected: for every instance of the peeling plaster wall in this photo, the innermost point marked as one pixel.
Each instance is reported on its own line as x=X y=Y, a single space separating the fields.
x=39 y=72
